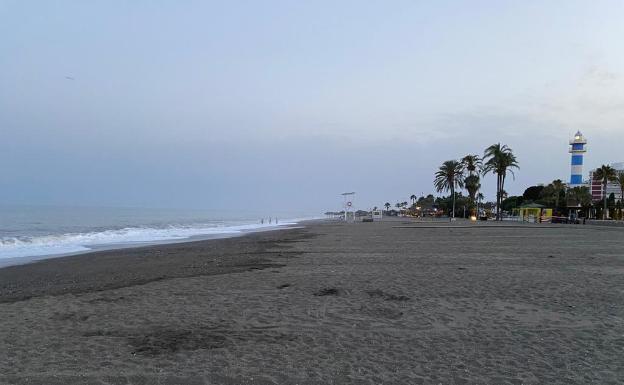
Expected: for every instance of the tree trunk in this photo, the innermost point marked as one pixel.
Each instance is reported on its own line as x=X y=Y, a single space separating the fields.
x=497 y=192
x=604 y=189
x=502 y=188
x=453 y=194
x=499 y=199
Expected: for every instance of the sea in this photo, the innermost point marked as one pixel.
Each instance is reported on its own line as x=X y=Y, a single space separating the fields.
x=29 y=233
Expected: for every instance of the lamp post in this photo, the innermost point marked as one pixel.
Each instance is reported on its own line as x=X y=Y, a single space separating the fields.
x=347 y=204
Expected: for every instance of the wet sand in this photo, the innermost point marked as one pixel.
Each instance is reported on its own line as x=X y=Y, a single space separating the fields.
x=395 y=302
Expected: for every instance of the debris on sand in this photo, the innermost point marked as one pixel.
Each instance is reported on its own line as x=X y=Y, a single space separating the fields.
x=326 y=291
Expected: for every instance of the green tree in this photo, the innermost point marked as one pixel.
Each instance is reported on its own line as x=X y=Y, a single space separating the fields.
x=500 y=160
x=605 y=174
x=480 y=197
x=426 y=202
x=557 y=187
x=620 y=181
x=445 y=203
x=387 y=205
x=473 y=184
x=553 y=194
x=533 y=193
x=512 y=202
x=472 y=164
x=449 y=177
x=580 y=196
x=611 y=201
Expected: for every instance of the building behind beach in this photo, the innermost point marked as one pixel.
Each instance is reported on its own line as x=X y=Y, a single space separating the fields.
x=612 y=187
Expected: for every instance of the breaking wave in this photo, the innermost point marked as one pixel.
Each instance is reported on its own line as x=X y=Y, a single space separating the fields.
x=43 y=245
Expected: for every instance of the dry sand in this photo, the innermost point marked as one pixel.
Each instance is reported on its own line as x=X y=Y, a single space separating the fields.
x=394 y=302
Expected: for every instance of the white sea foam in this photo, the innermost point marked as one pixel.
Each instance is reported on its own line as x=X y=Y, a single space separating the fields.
x=48 y=245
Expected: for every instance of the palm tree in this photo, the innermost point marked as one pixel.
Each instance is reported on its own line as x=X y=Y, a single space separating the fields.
x=605 y=174
x=387 y=205
x=473 y=184
x=620 y=181
x=472 y=164
x=499 y=160
x=413 y=199
x=448 y=177
x=480 y=198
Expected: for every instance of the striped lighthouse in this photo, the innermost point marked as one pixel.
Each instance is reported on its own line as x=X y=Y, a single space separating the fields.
x=577 y=149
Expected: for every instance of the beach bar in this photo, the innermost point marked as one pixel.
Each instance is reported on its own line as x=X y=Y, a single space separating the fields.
x=534 y=213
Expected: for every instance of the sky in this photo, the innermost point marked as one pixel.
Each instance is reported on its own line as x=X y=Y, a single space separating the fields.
x=286 y=104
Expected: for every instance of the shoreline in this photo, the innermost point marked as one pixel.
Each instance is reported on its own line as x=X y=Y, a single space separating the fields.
x=117 y=268
x=14 y=261
x=362 y=303
x=94 y=270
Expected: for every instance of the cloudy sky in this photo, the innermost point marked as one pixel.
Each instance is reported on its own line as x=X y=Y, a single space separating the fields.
x=288 y=103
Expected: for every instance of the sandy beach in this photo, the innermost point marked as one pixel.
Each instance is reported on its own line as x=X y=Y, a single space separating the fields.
x=394 y=302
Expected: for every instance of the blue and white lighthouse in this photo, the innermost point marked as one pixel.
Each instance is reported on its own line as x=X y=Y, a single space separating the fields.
x=578 y=150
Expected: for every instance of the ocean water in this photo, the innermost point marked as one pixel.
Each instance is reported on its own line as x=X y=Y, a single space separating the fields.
x=34 y=232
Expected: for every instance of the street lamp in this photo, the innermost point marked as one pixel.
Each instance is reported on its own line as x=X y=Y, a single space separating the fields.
x=347 y=204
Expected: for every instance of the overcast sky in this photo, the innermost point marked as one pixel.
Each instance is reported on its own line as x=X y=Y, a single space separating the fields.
x=289 y=103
